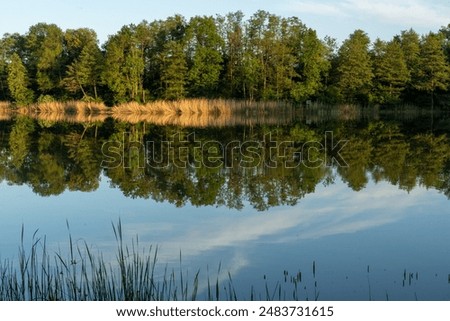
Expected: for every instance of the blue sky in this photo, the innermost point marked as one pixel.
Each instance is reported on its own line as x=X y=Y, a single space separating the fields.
x=338 y=19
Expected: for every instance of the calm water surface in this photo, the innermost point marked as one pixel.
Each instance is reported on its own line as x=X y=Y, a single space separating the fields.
x=373 y=217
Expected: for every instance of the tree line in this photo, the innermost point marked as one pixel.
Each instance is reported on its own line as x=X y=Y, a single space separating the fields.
x=266 y=57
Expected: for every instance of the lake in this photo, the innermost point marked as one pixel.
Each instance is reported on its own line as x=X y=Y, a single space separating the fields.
x=352 y=205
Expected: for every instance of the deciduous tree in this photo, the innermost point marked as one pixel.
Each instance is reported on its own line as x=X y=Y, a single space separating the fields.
x=44 y=57
x=205 y=55
x=84 y=62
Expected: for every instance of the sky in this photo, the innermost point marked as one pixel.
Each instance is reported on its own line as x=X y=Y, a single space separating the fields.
x=380 y=19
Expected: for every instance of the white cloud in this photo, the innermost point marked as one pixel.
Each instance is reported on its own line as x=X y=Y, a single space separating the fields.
x=412 y=13
x=349 y=213
x=418 y=13
x=333 y=210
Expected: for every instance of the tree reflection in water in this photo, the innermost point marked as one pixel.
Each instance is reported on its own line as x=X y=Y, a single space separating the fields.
x=227 y=166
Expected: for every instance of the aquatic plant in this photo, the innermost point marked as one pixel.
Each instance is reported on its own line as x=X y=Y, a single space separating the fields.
x=79 y=274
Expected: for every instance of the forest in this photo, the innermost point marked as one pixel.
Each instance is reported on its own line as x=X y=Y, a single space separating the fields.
x=265 y=57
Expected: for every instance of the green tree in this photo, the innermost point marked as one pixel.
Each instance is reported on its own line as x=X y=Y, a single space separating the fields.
x=283 y=61
x=331 y=93
x=174 y=70
x=172 y=58
x=125 y=65
x=18 y=81
x=85 y=72
x=233 y=54
x=10 y=44
x=268 y=61
x=445 y=31
x=146 y=39
x=84 y=62
x=434 y=71
x=312 y=63
x=205 y=48
x=390 y=71
x=256 y=56
x=355 y=68
x=250 y=75
x=410 y=43
x=6 y=43
x=44 y=57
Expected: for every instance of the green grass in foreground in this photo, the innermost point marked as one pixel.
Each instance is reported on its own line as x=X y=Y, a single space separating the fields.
x=80 y=275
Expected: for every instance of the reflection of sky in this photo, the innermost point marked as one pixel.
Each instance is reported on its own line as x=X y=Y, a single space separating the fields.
x=343 y=231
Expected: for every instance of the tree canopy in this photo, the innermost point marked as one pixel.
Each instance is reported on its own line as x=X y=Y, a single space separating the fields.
x=264 y=57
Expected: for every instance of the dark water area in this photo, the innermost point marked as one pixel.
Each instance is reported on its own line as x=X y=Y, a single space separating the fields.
x=355 y=203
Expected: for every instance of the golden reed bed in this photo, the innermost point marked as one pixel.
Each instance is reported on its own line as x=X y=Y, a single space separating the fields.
x=5 y=110
x=186 y=113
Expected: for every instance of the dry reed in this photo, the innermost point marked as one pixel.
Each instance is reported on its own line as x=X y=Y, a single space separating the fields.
x=185 y=113
x=71 y=107
x=73 y=111
x=195 y=120
x=5 y=110
x=184 y=106
x=204 y=112
x=71 y=118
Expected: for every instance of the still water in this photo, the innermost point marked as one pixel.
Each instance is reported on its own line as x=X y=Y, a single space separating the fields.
x=358 y=205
